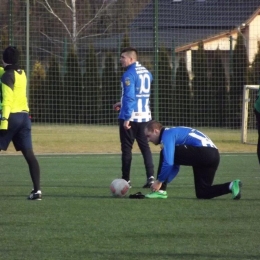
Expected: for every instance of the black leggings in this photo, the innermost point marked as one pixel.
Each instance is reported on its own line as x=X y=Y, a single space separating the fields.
x=127 y=138
x=34 y=168
x=204 y=161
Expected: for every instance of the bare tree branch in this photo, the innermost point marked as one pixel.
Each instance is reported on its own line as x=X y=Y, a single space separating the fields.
x=50 y=39
x=102 y=8
x=50 y=10
x=65 y=2
x=74 y=34
x=94 y=35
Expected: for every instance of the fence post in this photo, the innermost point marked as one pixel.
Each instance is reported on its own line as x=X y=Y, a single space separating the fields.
x=156 y=53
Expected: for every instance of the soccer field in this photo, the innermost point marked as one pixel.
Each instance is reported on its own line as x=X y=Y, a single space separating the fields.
x=78 y=219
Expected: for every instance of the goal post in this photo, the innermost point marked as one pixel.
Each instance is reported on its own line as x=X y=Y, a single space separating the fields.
x=247 y=97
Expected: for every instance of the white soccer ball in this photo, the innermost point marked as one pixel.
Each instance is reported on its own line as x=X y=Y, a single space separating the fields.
x=119 y=187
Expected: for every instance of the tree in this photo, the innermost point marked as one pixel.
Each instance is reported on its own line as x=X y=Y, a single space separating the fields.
x=255 y=68
x=165 y=88
x=73 y=91
x=4 y=42
x=53 y=93
x=91 y=86
x=219 y=102
x=182 y=97
x=238 y=80
x=253 y=78
x=76 y=28
x=110 y=90
x=36 y=97
x=200 y=86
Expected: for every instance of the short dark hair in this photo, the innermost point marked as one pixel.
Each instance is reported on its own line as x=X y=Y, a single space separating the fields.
x=129 y=49
x=152 y=125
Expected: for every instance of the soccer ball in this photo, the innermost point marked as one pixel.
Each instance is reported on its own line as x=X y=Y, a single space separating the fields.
x=119 y=187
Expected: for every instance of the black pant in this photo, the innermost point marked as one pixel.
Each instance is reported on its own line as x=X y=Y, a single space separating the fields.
x=127 y=138
x=257 y=114
x=204 y=161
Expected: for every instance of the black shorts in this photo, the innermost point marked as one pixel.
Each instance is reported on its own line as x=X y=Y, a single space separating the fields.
x=19 y=132
x=204 y=162
x=196 y=156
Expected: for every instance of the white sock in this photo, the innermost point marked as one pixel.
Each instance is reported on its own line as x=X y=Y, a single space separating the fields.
x=230 y=185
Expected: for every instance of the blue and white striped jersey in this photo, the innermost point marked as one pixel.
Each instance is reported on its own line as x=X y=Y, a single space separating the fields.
x=175 y=136
x=136 y=90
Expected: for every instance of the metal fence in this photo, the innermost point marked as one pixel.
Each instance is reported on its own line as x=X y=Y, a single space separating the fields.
x=201 y=53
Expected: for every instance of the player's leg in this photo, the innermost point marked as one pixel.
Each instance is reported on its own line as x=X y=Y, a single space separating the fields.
x=203 y=179
x=6 y=136
x=205 y=161
x=5 y=139
x=34 y=168
x=127 y=141
x=146 y=152
x=22 y=141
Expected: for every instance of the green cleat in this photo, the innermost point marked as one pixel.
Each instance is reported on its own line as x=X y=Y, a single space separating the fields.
x=157 y=195
x=236 y=189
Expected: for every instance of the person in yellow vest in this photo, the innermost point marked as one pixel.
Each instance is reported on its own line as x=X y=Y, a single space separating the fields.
x=1 y=71
x=15 y=121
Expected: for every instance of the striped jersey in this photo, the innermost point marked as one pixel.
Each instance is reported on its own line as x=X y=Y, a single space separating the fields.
x=136 y=90
x=175 y=136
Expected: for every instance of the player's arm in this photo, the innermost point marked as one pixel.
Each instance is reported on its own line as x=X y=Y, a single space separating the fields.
x=168 y=169
x=2 y=71
x=7 y=98
x=117 y=106
x=128 y=97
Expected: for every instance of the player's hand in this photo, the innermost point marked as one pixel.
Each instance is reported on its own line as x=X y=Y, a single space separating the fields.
x=117 y=106
x=156 y=186
x=127 y=125
x=4 y=124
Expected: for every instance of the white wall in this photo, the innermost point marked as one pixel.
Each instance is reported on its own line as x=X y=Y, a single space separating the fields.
x=253 y=37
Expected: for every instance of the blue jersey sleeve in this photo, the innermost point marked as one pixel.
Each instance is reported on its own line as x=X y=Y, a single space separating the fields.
x=128 y=97
x=168 y=170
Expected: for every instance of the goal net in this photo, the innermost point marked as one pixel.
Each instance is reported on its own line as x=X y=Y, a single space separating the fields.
x=249 y=125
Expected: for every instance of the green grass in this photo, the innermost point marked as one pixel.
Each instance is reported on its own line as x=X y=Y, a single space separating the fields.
x=105 y=139
x=78 y=219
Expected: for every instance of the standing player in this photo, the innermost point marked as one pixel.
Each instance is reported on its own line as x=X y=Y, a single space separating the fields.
x=15 y=122
x=134 y=113
x=190 y=147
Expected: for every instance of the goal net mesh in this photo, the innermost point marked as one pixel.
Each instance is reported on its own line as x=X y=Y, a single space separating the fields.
x=200 y=52
x=249 y=125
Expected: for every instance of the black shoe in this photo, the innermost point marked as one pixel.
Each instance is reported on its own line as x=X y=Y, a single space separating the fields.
x=35 y=195
x=137 y=195
x=149 y=182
